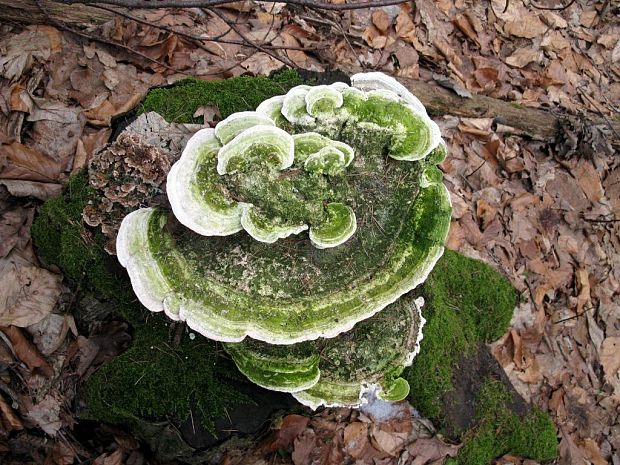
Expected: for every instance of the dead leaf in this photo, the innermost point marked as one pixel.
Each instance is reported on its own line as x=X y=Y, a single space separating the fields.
x=554 y=19
x=46 y=414
x=589 y=18
x=115 y=458
x=10 y=418
x=15 y=229
x=21 y=51
x=49 y=333
x=355 y=438
x=261 y=64
x=388 y=441
x=523 y=57
x=26 y=163
x=39 y=190
x=610 y=359
x=291 y=427
x=381 y=20
x=210 y=113
x=27 y=293
x=593 y=452
x=428 y=450
x=26 y=351
x=303 y=448
x=528 y=27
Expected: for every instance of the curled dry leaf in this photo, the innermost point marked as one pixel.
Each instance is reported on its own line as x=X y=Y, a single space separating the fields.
x=610 y=359
x=39 y=190
x=26 y=351
x=49 y=333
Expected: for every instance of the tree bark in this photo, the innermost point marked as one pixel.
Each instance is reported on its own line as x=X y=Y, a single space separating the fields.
x=26 y=11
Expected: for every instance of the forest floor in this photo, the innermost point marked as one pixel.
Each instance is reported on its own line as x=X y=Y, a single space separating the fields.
x=544 y=213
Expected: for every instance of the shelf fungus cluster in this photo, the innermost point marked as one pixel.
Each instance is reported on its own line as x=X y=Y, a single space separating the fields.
x=296 y=234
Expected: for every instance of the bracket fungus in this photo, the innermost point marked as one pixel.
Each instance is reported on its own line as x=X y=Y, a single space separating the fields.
x=355 y=167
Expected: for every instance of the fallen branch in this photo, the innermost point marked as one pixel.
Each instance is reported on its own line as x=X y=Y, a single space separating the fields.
x=151 y=4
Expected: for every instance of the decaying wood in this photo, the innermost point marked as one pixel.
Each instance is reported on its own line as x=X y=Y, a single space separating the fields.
x=535 y=123
x=26 y=11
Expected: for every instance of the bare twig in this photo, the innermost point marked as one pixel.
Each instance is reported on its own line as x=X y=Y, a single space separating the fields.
x=553 y=8
x=150 y=4
x=197 y=39
x=64 y=27
x=287 y=61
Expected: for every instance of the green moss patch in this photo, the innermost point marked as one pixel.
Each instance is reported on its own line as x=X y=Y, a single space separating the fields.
x=499 y=431
x=62 y=240
x=179 y=102
x=153 y=379
x=467 y=302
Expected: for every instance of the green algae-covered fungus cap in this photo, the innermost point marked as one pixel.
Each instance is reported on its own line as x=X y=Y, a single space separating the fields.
x=298 y=220
x=341 y=370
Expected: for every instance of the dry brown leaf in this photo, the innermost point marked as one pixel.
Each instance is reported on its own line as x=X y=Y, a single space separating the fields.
x=610 y=359
x=19 y=52
x=588 y=18
x=26 y=351
x=554 y=19
x=26 y=163
x=39 y=190
x=46 y=414
x=303 y=448
x=374 y=37
x=589 y=180
x=405 y=27
x=291 y=427
x=115 y=458
x=355 y=438
x=528 y=27
x=210 y=114
x=10 y=418
x=15 y=229
x=27 y=293
x=593 y=452
x=49 y=333
x=523 y=57
x=388 y=441
x=381 y=20
x=426 y=450
x=62 y=453
x=261 y=64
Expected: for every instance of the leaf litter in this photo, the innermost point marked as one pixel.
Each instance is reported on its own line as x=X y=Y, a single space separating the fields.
x=545 y=215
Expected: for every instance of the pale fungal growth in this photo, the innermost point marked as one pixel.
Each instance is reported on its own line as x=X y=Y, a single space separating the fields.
x=296 y=223
x=339 y=226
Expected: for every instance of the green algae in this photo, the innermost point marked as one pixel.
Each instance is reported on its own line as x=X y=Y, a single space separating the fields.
x=499 y=431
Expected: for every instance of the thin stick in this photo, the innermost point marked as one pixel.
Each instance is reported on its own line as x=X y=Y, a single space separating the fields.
x=150 y=4
x=64 y=27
